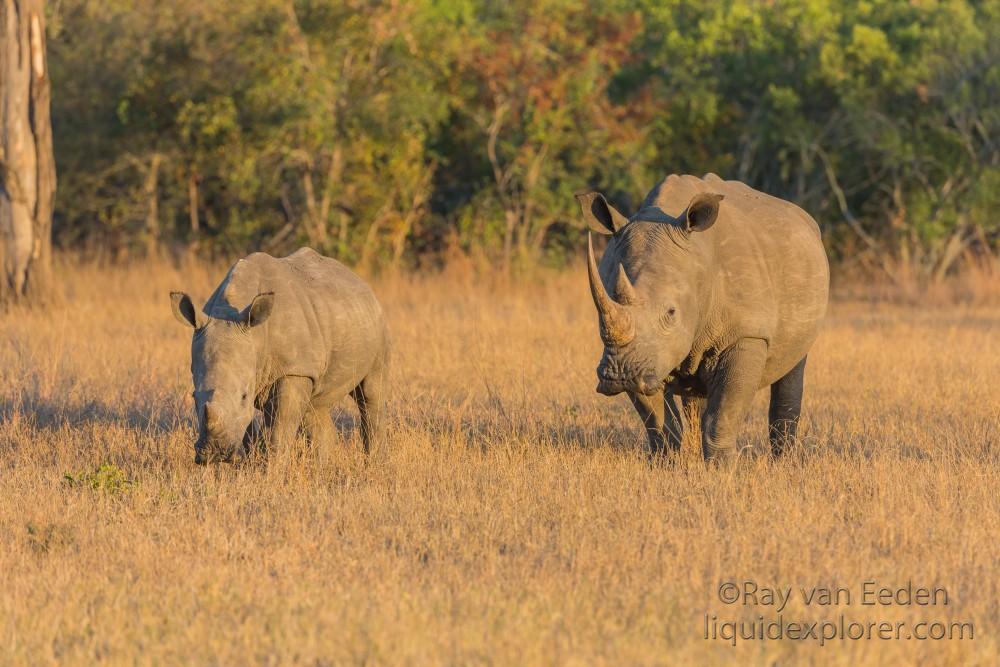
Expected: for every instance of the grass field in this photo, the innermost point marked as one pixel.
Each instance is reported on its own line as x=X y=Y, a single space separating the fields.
x=509 y=518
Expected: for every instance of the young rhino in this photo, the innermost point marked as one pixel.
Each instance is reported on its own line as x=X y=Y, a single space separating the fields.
x=289 y=337
x=712 y=290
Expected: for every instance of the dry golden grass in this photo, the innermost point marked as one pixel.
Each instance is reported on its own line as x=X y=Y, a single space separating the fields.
x=510 y=518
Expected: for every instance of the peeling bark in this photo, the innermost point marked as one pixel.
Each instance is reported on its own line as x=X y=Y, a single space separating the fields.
x=27 y=163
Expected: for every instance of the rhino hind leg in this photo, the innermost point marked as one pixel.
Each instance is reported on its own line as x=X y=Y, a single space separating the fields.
x=730 y=393
x=370 y=398
x=785 y=408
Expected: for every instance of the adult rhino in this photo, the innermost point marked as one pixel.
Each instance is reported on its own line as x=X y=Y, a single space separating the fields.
x=289 y=337
x=711 y=290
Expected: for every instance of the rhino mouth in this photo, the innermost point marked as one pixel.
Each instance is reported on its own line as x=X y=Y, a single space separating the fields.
x=205 y=455
x=647 y=385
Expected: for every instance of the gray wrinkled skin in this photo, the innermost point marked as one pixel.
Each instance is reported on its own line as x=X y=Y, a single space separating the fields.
x=708 y=293
x=288 y=337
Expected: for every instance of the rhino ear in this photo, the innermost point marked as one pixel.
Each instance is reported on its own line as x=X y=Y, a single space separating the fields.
x=184 y=309
x=599 y=214
x=259 y=309
x=702 y=211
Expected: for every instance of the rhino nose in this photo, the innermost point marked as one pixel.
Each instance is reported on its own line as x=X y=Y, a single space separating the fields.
x=205 y=454
x=610 y=384
x=609 y=387
x=607 y=382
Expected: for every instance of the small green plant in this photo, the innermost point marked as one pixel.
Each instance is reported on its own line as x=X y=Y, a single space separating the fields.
x=106 y=477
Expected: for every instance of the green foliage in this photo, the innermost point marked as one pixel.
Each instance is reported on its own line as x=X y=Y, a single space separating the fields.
x=107 y=478
x=383 y=132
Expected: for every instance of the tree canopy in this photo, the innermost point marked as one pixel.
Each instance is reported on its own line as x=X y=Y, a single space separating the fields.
x=385 y=132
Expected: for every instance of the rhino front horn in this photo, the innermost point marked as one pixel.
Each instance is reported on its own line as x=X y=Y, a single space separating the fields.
x=616 y=322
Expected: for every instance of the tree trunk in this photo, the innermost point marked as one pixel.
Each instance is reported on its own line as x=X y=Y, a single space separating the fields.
x=193 y=201
x=510 y=220
x=421 y=193
x=333 y=178
x=151 y=190
x=27 y=164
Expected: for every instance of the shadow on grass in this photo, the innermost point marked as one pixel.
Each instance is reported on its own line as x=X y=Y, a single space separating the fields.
x=485 y=428
x=50 y=414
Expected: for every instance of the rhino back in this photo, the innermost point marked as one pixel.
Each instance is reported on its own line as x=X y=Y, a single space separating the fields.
x=771 y=270
x=326 y=323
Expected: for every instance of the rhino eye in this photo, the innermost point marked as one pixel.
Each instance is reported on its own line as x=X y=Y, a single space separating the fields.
x=667 y=319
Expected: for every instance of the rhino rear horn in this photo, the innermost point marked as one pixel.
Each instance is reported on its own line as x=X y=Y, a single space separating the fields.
x=616 y=322
x=624 y=292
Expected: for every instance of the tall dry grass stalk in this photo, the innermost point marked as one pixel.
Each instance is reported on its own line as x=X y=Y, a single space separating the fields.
x=509 y=518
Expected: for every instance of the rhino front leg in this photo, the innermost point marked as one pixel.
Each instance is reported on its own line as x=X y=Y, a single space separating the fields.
x=285 y=409
x=650 y=409
x=675 y=420
x=786 y=406
x=730 y=391
x=319 y=429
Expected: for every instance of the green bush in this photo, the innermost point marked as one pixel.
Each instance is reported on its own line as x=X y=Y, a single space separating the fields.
x=107 y=478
